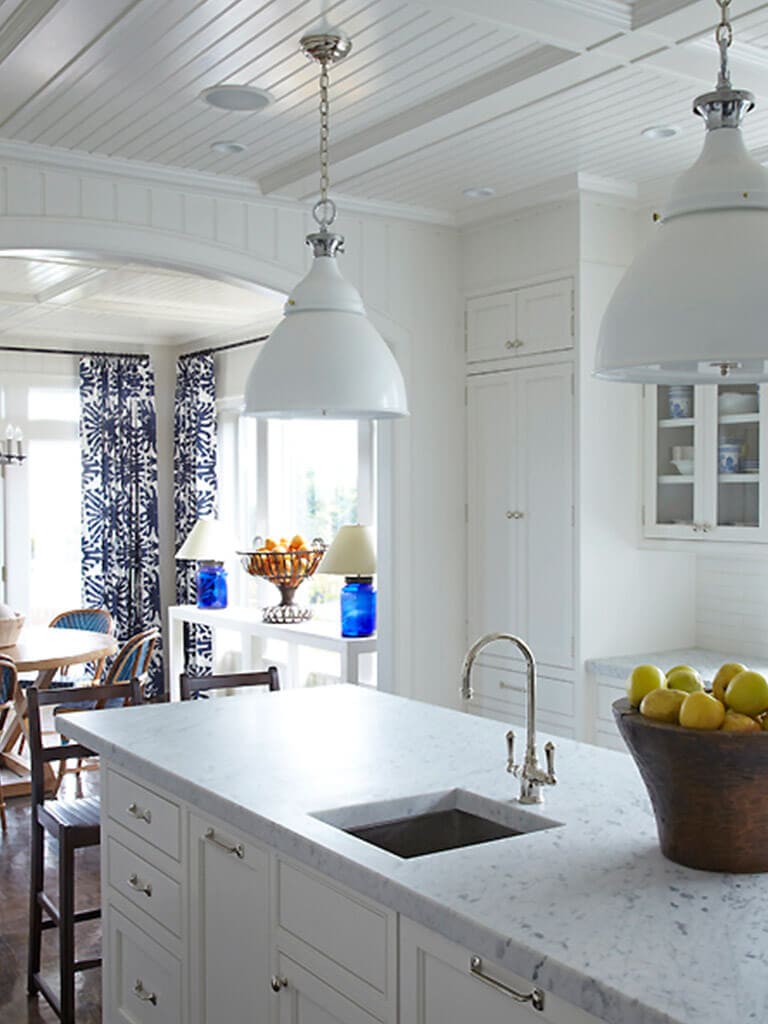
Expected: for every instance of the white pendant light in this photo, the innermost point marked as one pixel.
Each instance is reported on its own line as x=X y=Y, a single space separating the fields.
x=325 y=358
x=693 y=307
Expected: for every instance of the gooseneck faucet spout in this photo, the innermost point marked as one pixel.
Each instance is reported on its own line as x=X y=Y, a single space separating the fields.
x=532 y=776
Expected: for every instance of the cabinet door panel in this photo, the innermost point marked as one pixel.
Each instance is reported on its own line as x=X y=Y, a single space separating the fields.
x=545 y=486
x=544 y=321
x=438 y=988
x=230 y=928
x=305 y=999
x=491 y=501
x=491 y=327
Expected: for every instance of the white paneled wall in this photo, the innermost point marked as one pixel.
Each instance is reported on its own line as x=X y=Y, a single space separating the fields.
x=732 y=604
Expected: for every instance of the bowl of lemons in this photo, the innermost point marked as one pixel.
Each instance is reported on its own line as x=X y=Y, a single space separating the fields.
x=703 y=756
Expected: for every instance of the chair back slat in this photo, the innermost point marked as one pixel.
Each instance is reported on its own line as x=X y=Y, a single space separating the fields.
x=190 y=685
x=65 y=751
x=98 y=620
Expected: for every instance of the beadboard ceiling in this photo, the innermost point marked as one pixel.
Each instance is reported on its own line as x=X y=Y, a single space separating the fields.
x=522 y=96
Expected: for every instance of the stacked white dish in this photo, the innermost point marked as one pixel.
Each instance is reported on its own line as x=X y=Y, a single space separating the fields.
x=731 y=403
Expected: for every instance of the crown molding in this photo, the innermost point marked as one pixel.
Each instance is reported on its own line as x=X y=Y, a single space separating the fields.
x=214 y=185
x=566 y=187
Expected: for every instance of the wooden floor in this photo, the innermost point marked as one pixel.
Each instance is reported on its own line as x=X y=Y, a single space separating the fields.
x=15 y=1006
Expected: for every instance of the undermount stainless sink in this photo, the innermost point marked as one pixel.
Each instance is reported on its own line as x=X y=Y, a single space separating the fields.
x=434 y=822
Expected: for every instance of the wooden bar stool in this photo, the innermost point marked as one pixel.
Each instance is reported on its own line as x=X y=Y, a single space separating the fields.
x=74 y=824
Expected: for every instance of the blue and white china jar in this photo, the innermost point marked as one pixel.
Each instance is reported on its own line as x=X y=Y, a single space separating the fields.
x=728 y=456
x=680 y=401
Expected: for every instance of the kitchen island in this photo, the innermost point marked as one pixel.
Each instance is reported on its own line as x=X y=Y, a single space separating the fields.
x=588 y=911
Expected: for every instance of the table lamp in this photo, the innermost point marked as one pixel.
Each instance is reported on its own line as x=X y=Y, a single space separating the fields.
x=206 y=543
x=353 y=556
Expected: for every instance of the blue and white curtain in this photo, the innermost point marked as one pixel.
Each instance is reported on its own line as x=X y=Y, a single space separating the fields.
x=194 y=485
x=120 y=550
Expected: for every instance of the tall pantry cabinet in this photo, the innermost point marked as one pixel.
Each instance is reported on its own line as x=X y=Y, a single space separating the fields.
x=520 y=497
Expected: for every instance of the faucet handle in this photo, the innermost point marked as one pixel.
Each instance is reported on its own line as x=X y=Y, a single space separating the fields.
x=511 y=766
x=549 y=753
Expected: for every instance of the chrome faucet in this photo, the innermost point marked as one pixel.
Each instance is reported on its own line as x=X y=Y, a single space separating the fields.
x=532 y=776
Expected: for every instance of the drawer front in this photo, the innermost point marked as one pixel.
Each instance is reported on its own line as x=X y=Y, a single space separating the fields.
x=145 y=982
x=510 y=688
x=144 y=885
x=606 y=695
x=145 y=813
x=344 y=929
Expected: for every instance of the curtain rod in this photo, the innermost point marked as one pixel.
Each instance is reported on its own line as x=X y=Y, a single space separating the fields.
x=71 y=352
x=222 y=348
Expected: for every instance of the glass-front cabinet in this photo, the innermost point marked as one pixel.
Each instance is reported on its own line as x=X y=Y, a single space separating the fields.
x=704 y=450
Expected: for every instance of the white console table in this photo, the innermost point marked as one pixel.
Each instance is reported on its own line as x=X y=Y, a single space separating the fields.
x=248 y=622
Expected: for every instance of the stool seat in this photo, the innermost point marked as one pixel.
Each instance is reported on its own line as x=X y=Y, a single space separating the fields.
x=78 y=816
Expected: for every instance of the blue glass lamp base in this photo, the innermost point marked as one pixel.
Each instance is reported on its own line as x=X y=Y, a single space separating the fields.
x=211 y=585
x=358 y=608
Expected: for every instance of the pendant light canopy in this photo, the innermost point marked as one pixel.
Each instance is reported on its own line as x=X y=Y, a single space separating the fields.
x=325 y=358
x=693 y=307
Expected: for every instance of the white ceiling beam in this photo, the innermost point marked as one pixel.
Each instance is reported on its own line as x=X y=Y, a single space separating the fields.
x=74 y=288
x=421 y=119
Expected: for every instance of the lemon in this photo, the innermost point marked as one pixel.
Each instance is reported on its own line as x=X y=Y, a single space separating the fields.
x=723 y=676
x=747 y=692
x=701 y=710
x=642 y=680
x=662 y=705
x=736 y=722
x=684 y=678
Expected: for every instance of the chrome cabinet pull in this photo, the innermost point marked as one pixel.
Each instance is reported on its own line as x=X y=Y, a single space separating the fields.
x=136 y=883
x=140 y=813
x=515 y=514
x=535 y=997
x=509 y=686
x=238 y=849
x=141 y=993
x=277 y=982
x=514 y=344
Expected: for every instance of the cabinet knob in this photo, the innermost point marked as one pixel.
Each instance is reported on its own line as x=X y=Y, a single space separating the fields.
x=515 y=514
x=277 y=982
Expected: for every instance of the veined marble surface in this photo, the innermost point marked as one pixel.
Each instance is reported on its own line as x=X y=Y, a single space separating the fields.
x=705 y=662
x=590 y=911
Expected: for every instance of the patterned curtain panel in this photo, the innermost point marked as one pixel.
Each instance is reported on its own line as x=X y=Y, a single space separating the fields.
x=121 y=556
x=194 y=485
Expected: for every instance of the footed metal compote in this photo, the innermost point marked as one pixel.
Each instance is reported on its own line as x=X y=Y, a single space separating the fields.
x=532 y=776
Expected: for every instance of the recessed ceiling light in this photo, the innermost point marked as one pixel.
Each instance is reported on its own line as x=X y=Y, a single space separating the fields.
x=660 y=131
x=236 y=97
x=228 y=147
x=479 y=192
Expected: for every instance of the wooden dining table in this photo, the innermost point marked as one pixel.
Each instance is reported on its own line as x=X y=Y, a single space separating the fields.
x=45 y=651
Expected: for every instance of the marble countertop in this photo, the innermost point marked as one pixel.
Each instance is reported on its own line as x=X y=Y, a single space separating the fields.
x=704 y=661
x=590 y=911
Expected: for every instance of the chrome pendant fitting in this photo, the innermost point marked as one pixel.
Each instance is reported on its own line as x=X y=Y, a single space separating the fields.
x=725 y=107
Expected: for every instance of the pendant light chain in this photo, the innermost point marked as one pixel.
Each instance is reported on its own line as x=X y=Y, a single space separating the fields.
x=325 y=210
x=724 y=38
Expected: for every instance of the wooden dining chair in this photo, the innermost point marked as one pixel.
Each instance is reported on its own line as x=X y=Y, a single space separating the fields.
x=74 y=824
x=8 y=684
x=97 y=620
x=193 y=686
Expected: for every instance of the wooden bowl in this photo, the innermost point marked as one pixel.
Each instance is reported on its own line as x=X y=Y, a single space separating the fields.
x=10 y=630
x=709 y=791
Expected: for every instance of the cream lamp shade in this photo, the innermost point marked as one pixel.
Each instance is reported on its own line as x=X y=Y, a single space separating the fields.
x=352 y=553
x=207 y=541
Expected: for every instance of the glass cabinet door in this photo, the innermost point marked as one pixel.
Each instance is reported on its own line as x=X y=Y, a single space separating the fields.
x=738 y=457
x=677 y=454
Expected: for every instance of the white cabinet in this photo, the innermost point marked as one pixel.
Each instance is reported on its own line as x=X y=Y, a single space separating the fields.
x=438 y=986
x=520 y=509
x=230 y=926
x=704 y=451
x=521 y=322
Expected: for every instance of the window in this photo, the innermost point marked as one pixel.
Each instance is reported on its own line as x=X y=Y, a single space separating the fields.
x=282 y=477
x=41 y=498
